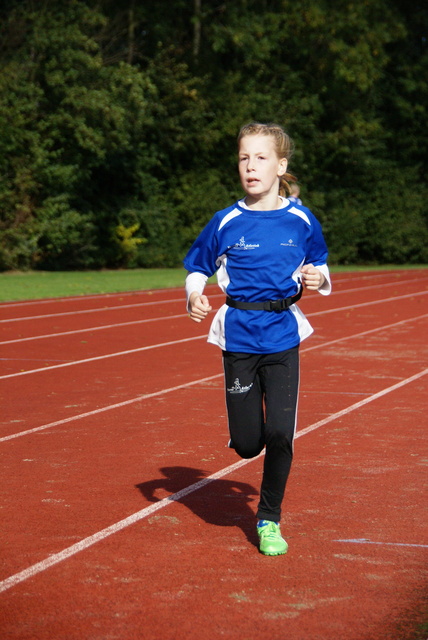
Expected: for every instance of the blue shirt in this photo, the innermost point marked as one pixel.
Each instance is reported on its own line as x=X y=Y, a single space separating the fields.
x=258 y=256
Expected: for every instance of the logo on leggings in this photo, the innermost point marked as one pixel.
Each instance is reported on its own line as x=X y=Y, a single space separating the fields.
x=237 y=388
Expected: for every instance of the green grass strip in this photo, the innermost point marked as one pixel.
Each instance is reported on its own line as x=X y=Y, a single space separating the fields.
x=30 y=285
x=36 y=285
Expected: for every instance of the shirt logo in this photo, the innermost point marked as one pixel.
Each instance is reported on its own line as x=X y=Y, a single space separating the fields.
x=290 y=243
x=245 y=246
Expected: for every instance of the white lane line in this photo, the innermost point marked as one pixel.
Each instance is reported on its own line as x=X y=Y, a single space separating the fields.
x=104 y=309
x=174 y=317
x=368 y=303
x=94 y=296
x=365 y=333
x=201 y=381
x=104 y=357
x=96 y=310
x=393 y=544
x=211 y=295
x=109 y=407
x=147 y=511
x=361 y=403
x=383 y=274
x=97 y=328
x=147 y=348
x=376 y=286
x=114 y=528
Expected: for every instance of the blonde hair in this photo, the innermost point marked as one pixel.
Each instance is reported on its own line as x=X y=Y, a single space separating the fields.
x=284 y=147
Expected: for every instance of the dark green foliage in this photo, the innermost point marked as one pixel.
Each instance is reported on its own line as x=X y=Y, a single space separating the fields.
x=118 y=123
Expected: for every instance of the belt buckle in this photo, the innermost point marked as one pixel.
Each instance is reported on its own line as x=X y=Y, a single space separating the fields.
x=276 y=305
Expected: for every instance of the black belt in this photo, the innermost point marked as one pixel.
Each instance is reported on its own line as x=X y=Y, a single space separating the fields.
x=268 y=305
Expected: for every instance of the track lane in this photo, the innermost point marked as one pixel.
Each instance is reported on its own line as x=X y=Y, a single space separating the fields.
x=324 y=345
x=68 y=346
x=122 y=378
x=83 y=386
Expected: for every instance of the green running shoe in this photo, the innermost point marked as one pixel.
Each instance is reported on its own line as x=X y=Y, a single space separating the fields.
x=271 y=541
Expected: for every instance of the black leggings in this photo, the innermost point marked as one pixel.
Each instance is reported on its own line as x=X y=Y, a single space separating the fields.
x=261 y=400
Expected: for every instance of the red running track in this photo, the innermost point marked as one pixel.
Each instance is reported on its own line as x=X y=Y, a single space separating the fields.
x=124 y=515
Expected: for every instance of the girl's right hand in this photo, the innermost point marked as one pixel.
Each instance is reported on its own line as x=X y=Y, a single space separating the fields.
x=199 y=307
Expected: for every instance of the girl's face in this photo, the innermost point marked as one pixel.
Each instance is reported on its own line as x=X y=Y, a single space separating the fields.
x=259 y=167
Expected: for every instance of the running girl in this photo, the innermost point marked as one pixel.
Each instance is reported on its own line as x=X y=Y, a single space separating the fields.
x=265 y=250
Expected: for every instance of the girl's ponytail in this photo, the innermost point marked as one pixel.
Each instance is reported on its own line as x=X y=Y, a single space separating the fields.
x=284 y=184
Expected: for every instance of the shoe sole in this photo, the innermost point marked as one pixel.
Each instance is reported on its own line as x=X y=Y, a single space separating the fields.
x=273 y=553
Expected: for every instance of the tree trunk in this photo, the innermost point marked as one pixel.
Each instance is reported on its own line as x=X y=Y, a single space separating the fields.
x=197 y=30
x=131 y=32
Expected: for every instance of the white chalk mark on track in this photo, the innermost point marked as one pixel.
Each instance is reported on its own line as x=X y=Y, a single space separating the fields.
x=392 y=544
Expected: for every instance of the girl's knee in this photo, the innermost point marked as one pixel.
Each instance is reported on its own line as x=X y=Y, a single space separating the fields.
x=247 y=450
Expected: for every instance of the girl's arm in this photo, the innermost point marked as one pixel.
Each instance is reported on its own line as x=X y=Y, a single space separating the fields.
x=316 y=278
x=198 y=305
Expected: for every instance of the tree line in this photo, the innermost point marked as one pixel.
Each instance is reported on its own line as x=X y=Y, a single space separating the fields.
x=118 y=123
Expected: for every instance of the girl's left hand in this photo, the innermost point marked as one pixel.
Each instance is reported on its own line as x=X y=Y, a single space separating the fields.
x=312 y=277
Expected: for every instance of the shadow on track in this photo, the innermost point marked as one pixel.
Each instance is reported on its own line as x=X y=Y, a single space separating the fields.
x=223 y=503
